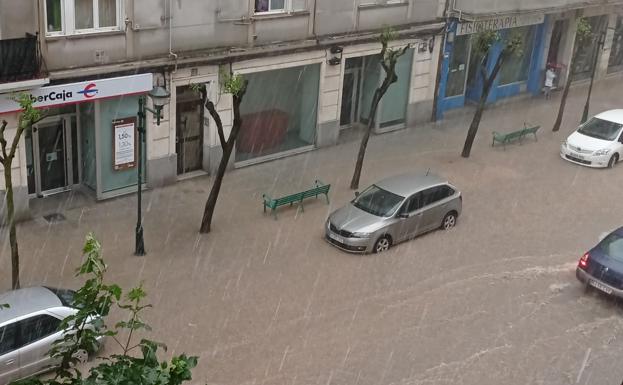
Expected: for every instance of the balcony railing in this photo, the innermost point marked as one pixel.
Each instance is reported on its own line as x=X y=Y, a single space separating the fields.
x=20 y=59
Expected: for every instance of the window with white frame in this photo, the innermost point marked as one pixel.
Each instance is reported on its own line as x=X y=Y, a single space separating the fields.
x=67 y=17
x=265 y=6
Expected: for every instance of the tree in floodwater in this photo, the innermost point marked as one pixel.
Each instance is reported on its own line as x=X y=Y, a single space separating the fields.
x=389 y=57
x=483 y=44
x=235 y=85
x=582 y=34
x=27 y=118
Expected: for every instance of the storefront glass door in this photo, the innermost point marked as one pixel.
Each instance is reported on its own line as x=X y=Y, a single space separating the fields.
x=615 y=62
x=349 y=98
x=457 y=69
x=588 y=48
x=393 y=107
x=189 y=130
x=50 y=155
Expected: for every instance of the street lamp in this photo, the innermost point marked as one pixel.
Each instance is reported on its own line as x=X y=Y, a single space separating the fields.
x=159 y=97
x=600 y=44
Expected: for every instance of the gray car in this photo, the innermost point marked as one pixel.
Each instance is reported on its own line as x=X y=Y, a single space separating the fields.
x=28 y=327
x=392 y=211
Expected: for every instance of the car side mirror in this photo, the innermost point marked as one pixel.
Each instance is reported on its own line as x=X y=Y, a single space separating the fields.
x=356 y=194
x=621 y=139
x=403 y=215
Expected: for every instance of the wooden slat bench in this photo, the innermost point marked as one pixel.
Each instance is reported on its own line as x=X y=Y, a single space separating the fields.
x=319 y=189
x=515 y=135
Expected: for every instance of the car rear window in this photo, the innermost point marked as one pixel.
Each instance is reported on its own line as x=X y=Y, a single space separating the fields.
x=66 y=296
x=612 y=245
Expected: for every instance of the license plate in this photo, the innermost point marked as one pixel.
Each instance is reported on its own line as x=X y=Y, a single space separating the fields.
x=336 y=238
x=580 y=157
x=600 y=286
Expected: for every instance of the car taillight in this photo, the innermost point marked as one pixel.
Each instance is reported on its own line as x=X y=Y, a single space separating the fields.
x=583 y=263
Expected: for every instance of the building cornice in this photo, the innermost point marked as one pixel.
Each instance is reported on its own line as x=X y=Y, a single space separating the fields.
x=235 y=54
x=468 y=15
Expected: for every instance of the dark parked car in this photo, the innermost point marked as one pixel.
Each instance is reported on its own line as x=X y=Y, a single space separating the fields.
x=602 y=266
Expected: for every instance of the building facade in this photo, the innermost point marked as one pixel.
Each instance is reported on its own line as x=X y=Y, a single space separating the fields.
x=312 y=67
x=548 y=32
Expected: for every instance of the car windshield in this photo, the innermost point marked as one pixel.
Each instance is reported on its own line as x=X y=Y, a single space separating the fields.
x=66 y=296
x=379 y=202
x=600 y=129
x=613 y=246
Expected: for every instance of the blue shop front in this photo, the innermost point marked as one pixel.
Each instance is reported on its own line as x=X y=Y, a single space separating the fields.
x=461 y=81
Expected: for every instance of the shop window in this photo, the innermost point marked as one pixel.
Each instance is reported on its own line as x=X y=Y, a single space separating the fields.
x=80 y=16
x=516 y=69
x=615 y=62
x=587 y=49
x=279 y=112
x=111 y=110
x=262 y=6
x=457 y=70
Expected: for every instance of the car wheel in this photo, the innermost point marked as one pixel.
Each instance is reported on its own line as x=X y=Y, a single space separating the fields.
x=81 y=355
x=382 y=244
x=449 y=221
x=613 y=160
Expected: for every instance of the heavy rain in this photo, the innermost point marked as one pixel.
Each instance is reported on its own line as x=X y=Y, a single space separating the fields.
x=329 y=192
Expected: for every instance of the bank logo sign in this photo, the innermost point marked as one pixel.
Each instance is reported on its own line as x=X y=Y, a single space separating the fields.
x=498 y=23
x=89 y=91
x=54 y=96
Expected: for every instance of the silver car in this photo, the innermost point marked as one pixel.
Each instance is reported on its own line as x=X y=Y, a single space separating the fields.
x=394 y=210
x=28 y=327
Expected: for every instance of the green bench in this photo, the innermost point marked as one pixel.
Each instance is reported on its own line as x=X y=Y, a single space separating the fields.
x=515 y=135
x=318 y=189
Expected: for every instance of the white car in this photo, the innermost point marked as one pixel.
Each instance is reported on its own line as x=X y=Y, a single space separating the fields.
x=596 y=143
x=28 y=329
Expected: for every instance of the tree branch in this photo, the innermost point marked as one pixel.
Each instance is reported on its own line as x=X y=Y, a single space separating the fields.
x=383 y=53
x=15 y=143
x=237 y=118
x=3 y=140
x=404 y=50
x=219 y=123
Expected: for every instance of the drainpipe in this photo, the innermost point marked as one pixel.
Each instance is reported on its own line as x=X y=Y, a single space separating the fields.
x=313 y=19
x=170 y=21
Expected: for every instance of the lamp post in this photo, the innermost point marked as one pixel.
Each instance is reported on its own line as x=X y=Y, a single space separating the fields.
x=600 y=44
x=160 y=98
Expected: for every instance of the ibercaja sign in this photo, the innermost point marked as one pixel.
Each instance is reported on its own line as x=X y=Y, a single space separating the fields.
x=57 y=95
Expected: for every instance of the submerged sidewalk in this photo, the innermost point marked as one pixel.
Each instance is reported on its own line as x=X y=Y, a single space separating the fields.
x=172 y=214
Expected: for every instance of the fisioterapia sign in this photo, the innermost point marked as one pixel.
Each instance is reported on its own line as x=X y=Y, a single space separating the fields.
x=499 y=23
x=54 y=96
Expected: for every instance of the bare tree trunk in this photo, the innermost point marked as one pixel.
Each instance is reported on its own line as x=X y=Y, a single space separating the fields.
x=10 y=221
x=565 y=92
x=354 y=183
x=208 y=212
x=228 y=147
x=473 y=127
